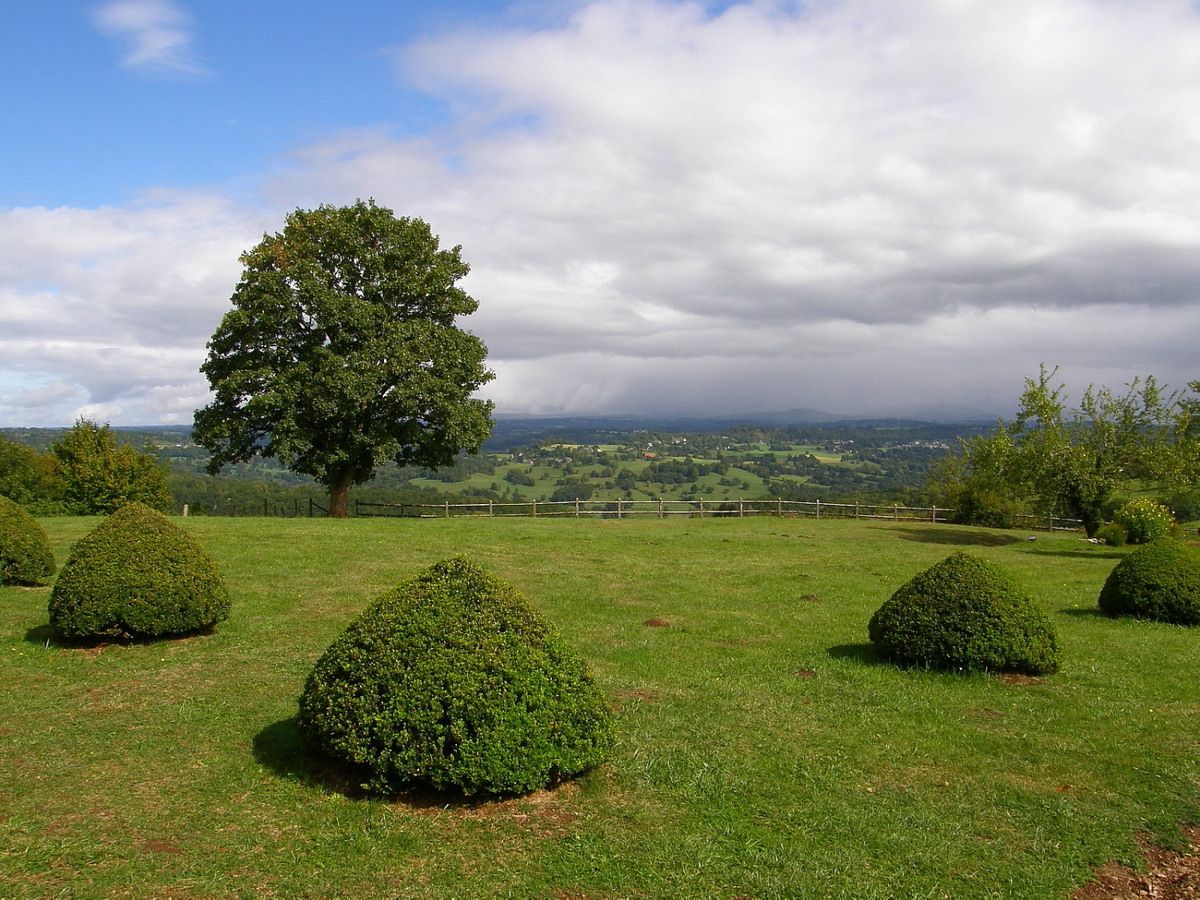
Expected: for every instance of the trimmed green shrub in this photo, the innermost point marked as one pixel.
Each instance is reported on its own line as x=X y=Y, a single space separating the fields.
x=1159 y=581
x=137 y=574
x=25 y=554
x=965 y=614
x=1144 y=520
x=453 y=681
x=1113 y=534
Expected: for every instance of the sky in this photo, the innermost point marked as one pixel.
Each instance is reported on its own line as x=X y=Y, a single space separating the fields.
x=863 y=207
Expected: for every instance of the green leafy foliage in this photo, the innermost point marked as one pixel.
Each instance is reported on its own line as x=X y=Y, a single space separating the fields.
x=1113 y=534
x=341 y=352
x=25 y=553
x=452 y=680
x=30 y=478
x=99 y=475
x=1144 y=520
x=1070 y=462
x=1160 y=581
x=1185 y=505
x=965 y=614
x=977 y=505
x=137 y=574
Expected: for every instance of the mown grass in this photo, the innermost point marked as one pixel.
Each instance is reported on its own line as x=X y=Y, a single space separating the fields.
x=763 y=750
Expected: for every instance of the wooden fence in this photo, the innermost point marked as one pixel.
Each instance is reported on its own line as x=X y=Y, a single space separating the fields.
x=621 y=509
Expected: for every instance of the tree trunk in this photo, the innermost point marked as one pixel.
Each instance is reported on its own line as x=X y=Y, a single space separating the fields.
x=339 y=495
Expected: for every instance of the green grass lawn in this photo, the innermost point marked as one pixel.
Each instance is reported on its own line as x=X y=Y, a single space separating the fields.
x=763 y=750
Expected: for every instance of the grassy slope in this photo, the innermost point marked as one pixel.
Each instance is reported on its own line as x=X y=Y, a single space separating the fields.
x=763 y=751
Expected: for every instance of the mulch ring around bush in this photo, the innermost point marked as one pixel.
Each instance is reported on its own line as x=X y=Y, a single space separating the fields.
x=1167 y=875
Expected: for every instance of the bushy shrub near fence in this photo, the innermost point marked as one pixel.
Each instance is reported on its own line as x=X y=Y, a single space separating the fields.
x=1144 y=520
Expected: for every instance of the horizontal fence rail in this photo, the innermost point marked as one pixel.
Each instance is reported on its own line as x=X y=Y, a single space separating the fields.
x=621 y=508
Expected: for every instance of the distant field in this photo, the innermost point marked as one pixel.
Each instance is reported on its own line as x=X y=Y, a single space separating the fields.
x=763 y=749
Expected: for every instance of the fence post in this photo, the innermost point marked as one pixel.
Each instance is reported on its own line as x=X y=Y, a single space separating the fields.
x=935 y=512
x=741 y=510
x=895 y=512
x=818 y=507
x=660 y=507
x=491 y=512
x=779 y=507
x=856 y=509
x=702 y=507
x=535 y=509
x=447 y=509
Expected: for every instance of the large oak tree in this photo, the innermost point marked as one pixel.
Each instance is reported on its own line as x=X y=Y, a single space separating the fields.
x=341 y=352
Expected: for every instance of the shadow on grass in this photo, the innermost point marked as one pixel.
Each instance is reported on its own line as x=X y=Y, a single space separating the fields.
x=46 y=636
x=281 y=748
x=866 y=653
x=964 y=537
x=1093 y=553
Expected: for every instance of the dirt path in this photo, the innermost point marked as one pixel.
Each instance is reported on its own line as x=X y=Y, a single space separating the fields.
x=1167 y=875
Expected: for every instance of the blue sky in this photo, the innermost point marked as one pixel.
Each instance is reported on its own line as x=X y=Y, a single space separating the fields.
x=669 y=206
x=251 y=81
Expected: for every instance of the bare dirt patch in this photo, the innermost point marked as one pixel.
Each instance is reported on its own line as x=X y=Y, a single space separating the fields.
x=805 y=673
x=156 y=846
x=811 y=598
x=656 y=622
x=1167 y=875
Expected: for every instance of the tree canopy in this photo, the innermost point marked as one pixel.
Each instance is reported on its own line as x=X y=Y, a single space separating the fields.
x=99 y=475
x=1071 y=461
x=30 y=478
x=341 y=352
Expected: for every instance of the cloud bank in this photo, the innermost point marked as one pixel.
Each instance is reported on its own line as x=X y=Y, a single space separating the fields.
x=856 y=206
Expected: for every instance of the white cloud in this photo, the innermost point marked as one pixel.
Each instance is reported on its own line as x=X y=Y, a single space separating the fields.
x=851 y=205
x=765 y=181
x=157 y=35
x=115 y=303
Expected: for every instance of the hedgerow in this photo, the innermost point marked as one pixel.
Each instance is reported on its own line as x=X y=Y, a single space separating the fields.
x=454 y=682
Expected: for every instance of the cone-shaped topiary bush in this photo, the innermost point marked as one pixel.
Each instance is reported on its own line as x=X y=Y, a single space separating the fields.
x=1160 y=580
x=965 y=614
x=25 y=554
x=453 y=681
x=137 y=575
